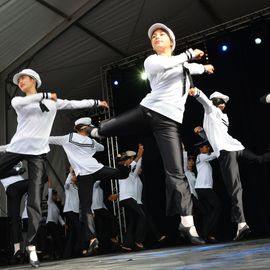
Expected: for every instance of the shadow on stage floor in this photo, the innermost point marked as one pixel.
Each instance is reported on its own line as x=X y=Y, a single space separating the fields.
x=252 y=254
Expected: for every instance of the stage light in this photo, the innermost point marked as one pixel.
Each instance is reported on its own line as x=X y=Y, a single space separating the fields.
x=143 y=75
x=258 y=40
x=115 y=82
x=224 y=47
x=258 y=33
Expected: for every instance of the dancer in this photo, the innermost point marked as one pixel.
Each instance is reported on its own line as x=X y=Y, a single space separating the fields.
x=162 y=111
x=16 y=186
x=206 y=194
x=105 y=221
x=189 y=168
x=71 y=213
x=228 y=150
x=128 y=197
x=35 y=116
x=80 y=148
x=53 y=218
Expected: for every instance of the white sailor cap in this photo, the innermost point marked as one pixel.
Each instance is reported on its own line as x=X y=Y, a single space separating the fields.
x=125 y=155
x=156 y=26
x=130 y=153
x=29 y=72
x=220 y=95
x=87 y=121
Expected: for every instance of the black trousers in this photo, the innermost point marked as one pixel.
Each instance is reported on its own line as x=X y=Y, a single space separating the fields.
x=106 y=228
x=85 y=191
x=15 y=192
x=168 y=136
x=36 y=178
x=73 y=237
x=231 y=177
x=54 y=230
x=150 y=222
x=230 y=172
x=135 y=222
x=104 y=216
x=211 y=204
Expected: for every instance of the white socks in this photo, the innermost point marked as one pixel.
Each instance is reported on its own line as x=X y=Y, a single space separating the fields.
x=187 y=221
x=32 y=253
x=16 y=247
x=193 y=231
x=241 y=225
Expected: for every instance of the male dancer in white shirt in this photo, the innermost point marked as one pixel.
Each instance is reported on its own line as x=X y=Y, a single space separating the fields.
x=71 y=212
x=53 y=218
x=228 y=150
x=80 y=148
x=206 y=195
x=35 y=116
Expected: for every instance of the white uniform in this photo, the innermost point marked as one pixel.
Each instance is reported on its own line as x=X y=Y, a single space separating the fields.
x=132 y=186
x=72 y=202
x=138 y=182
x=204 y=169
x=191 y=177
x=165 y=74
x=215 y=124
x=98 y=198
x=80 y=150
x=6 y=182
x=34 y=126
x=53 y=214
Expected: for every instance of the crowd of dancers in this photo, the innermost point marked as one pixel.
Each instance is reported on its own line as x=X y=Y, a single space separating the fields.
x=160 y=112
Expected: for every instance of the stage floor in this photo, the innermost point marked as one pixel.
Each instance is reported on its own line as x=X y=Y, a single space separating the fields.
x=253 y=254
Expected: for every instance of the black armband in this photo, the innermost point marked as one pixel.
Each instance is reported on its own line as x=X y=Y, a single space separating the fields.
x=188 y=54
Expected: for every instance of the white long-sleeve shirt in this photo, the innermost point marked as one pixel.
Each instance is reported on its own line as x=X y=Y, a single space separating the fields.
x=53 y=214
x=131 y=187
x=215 y=125
x=97 y=197
x=34 y=126
x=204 y=177
x=80 y=150
x=72 y=202
x=166 y=78
x=6 y=182
x=191 y=177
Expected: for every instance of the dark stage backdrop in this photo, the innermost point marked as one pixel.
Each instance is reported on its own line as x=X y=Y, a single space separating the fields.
x=242 y=73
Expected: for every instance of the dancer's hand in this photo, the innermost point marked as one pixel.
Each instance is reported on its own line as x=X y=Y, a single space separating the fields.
x=104 y=104
x=209 y=69
x=113 y=197
x=198 y=129
x=198 y=54
x=193 y=91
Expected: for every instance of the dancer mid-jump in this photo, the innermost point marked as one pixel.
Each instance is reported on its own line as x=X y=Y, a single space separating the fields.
x=162 y=111
x=35 y=116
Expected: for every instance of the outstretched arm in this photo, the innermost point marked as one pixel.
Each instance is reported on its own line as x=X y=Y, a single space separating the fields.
x=58 y=140
x=202 y=98
x=200 y=131
x=195 y=68
x=155 y=64
x=19 y=102
x=64 y=104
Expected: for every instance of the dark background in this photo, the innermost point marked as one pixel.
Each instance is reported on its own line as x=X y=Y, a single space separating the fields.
x=242 y=74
